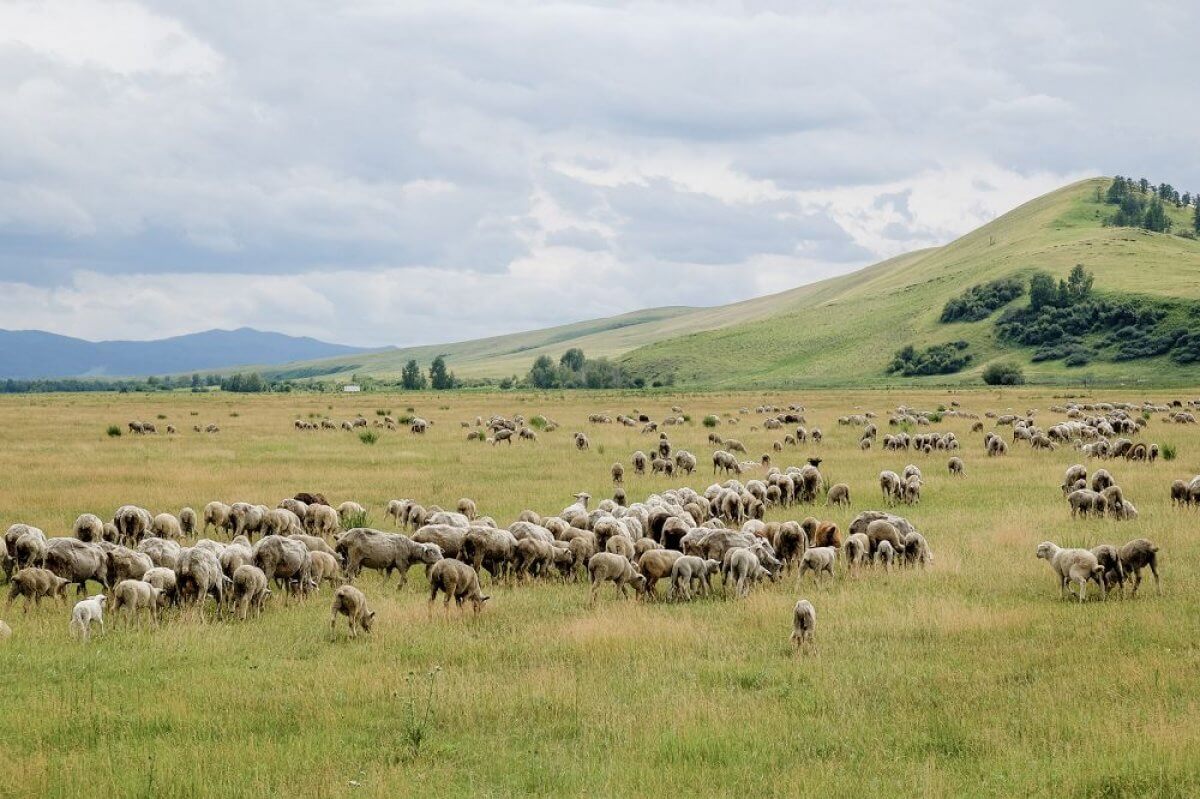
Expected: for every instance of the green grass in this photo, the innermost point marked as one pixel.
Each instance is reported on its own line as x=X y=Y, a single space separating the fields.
x=972 y=678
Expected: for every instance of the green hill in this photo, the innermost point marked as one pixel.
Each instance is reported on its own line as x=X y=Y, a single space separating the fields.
x=845 y=330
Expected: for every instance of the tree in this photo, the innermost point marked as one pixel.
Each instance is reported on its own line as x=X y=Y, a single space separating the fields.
x=573 y=359
x=1156 y=218
x=543 y=374
x=439 y=378
x=411 y=378
x=196 y=383
x=1079 y=284
x=1042 y=291
x=1196 y=217
x=1003 y=374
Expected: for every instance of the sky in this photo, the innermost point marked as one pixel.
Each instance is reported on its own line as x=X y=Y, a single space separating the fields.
x=380 y=173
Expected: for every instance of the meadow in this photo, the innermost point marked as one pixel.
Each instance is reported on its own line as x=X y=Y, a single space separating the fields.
x=971 y=678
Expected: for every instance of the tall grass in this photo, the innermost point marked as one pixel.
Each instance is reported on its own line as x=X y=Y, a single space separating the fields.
x=969 y=679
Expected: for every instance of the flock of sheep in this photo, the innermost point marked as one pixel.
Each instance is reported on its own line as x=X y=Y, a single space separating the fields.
x=685 y=537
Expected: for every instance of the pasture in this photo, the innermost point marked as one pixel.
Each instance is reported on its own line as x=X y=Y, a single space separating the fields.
x=970 y=678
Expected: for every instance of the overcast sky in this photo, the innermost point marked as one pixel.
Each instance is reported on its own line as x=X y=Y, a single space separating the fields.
x=393 y=173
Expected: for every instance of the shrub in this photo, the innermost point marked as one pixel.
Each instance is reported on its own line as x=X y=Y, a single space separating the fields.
x=978 y=302
x=1003 y=374
x=711 y=421
x=405 y=418
x=939 y=359
x=539 y=422
x=353 y=520
x=114 y=431
x=368 y=436
x=162 y=416
x=383 y=412
x=1168 y=452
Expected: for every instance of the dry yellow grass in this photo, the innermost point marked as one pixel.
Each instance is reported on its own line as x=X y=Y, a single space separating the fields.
x=972 y=678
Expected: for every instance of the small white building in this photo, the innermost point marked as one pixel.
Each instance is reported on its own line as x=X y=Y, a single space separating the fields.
x=350 y=388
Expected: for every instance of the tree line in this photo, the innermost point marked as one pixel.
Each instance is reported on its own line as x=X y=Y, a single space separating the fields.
x=1143 y=205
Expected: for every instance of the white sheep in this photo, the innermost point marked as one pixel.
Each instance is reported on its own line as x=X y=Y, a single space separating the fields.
x=804 y=623
x=817 y=560
x=1073 y=565
x=87 y=611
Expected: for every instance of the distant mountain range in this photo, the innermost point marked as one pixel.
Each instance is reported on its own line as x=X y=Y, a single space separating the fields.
x=29 y=354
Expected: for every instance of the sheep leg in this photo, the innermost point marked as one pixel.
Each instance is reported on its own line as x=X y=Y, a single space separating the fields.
x=1157 y=584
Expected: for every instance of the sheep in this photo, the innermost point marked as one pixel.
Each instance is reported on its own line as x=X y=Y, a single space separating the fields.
x=187 y=521
x=581 y=442
x=858 y=550
x=881 y=530
x=216 y=515
x=1135 y=556
x=133 y=523
x=85 y=613
x=89 y=528
x=1085 y=501
x=885 y=554
x=742 y=568
x=1179 y=493
x=324 y=568
x=30 y=546
x=347 y=510
x=250 y=590
x=689 y=570
x=77 y=562
x=161 y=552
x=639 y=461
x=321 y=520
x=618 y=473
x=136 y=595
x=165 y=525
x=488 y=548
x=1102 y=480
x=818 y=560
x=822 y=534
x=891 y=486
x=956 y=467
x=839 y=494
x=164 y=580
x=804 y=623
x=285 y=560
x=1073 y=565
x=654 y=565
x=914 y=549
x=350 y=602
x=397 y=511
x=1110 y=560
x=449 y=540
x=458 y=580
x=125 y=564
x=609 y=567
x=533 y=557
x=199 y=574
x=34 y=583
x=912 y=490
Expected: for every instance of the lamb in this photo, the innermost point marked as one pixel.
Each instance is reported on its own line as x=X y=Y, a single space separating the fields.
x=1073 y=565
x=839 y=494
x=217 y=516
x=324 y=568
x=818 y=560
x=891 y=486
x=86 y=612
x=689 y=570
x=33 y=584
x=742 y=568
x=136 y=595
x=885 y=554
x=250 y=590
x=458 y=580
x=609 y=567
x=350 y=602
x=804 y=623
x=1135 y=556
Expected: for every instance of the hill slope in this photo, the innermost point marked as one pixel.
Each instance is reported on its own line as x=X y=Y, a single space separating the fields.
x=846 y=331
x=26 y=354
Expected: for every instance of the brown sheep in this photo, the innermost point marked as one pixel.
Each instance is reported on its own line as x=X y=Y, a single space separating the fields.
x=351 y=603
x=456 y=580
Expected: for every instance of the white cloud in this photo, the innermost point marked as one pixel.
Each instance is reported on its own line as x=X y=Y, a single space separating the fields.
x=349 y=171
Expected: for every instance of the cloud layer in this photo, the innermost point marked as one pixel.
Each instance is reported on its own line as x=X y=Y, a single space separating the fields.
x=382 y=173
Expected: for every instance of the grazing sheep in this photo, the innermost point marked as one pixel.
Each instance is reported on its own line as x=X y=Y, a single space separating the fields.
x=1179 y=493
x=915 y=549
x=137 y=595
x=885 y=554
x=839 y=494
x=321 y=520
x=250 y=590
x=217 y=516
x=350 y=602
x=164 y=580
x=1110 y=560
x=350 y=509
x=1072 y=565
x=581 y=441
x=1137 y=555
x=741 y=568
x=610 y=567
x=187 y=521
x=86 y=612
x=458 y=580
x=858 y=551
x=198 y=575
x=165 y=525
x=956 y=466
x=88 y=527
x=1086 y=502
x=804 y=623
x=618 y=473
x=818 y=560
x=891 y=486
x=689 y=570
x=33 y=584
x=1102 y=480
x=655 y=565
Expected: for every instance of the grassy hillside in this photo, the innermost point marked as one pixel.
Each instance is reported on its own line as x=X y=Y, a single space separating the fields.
x=846 y=332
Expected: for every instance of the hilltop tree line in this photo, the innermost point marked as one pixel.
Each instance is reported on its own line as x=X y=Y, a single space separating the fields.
x=1143 y=205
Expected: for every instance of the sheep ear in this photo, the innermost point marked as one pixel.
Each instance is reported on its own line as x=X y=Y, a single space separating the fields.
x=485 y=599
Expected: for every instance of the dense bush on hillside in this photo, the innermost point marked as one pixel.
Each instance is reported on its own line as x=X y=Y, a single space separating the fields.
x=940 y=359
x=1003 y=374
x=978 y=302
x=575 y=370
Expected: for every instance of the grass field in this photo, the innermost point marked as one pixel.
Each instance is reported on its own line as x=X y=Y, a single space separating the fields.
x=970 y=679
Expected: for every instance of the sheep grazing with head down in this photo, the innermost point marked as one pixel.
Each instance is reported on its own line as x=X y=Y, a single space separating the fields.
x=1073 y=566
x=350 y=602
x=956 y=467
x=818 y=560
x=804 y=623
x=456 y=580
x=839 y=494
x=1137 y=555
